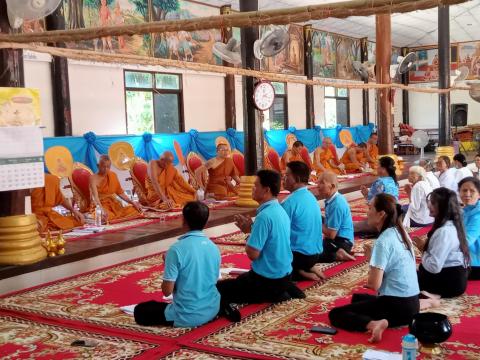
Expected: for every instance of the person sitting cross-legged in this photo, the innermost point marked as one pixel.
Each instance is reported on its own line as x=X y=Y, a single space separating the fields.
x=338 y=225
x=306 y=222
x=392 y=274
x=191 y=272
x=268 y=247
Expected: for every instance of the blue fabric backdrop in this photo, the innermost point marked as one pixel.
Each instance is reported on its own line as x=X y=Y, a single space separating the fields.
x=148 y=146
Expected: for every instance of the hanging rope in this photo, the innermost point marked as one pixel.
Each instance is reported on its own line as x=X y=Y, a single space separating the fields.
x=85 y=55
x=241 y=19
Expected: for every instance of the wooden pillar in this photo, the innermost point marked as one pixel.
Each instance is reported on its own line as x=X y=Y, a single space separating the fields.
x=310 y=108
x=365 y=98
x=252 y=125
x=230 y=112
x=444 y=138
x=384 y=104
x=62 y=116
x=405 y=104
x=11 y=75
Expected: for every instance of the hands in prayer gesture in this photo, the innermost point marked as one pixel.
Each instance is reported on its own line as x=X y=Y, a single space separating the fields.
x=367 y=249
x=364 y=191
x=408 y=189
x=244 y=223
x=420 y=242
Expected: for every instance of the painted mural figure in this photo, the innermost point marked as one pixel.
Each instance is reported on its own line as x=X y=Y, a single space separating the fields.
x=105 y=20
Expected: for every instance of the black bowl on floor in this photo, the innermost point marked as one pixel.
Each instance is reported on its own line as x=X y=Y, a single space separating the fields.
x=431 y=328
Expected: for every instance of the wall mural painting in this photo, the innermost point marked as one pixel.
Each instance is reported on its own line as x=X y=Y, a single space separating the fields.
x=195 y=46
x=290 y=60
x=94 y=13
x=426 y=66
x=324 y=56
x=469 y=56
x=347 y=51
x=185 y=46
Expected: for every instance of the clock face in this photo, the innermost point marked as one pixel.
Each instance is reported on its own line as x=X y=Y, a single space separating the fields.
x=263 y=95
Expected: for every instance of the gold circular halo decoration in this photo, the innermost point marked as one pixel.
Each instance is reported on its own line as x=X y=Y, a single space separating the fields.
x=346 y=138
x=59 y=161
x=122 y=155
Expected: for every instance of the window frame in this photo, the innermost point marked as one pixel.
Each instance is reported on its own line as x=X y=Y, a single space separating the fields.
x=153 y=90
x=336 y=97
x=284 y=98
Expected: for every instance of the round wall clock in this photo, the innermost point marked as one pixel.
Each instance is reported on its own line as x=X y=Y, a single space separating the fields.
x=263 y=95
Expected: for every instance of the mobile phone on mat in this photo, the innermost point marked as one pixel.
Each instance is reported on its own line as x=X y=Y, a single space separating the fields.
x=324 y=330
x=85 y=343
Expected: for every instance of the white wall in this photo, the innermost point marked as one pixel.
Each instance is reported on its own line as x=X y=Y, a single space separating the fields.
x=372 y=105
x=319 y=105
x=38 y=76
x=297 y=105
x=97 y=99
x=356 y=107
x=239 y=102
x=204 y=102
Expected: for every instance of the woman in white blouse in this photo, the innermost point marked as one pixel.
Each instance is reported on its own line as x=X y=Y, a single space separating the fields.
x=460 y=163
x=418 y=214
x=475 y=167
x=430 y=176
x=446 y=258
x=446 y=174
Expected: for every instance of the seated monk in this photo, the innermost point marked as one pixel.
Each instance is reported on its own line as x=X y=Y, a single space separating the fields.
x=45 y=199
x=324 y=160
x=221 y=172
x=354 y=158
x=293 y=154
x=105 y=188
x=165 y=186
x=372 y=151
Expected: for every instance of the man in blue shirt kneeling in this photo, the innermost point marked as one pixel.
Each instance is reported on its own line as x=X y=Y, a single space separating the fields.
x=268 y=247
x=306 y=223
x=192 y=267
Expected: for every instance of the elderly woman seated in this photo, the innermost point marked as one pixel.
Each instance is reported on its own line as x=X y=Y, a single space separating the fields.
x=417 y=212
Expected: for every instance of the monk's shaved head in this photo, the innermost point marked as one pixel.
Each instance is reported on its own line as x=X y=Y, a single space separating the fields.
x=168 y=156
x=104 y=164
x=327 y=140
x=103 y=158
x=329 y=177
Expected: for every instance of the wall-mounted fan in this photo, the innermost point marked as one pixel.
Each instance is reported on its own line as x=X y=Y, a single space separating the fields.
x=272 y=42
x=20 y=11
x=474 y=91
x=229 y=52
x=420 y=140
x=405 y=64
x=461 y=74
x=361 y=70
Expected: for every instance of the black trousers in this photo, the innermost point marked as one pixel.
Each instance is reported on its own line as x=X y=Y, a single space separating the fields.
x=253 y=288
x=474 y=273
x=151 y=313
x=302 y=262
x=450 y=282
x=364 y=308
x=330 y=248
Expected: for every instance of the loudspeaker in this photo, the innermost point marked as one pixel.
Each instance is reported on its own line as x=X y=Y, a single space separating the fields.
x=459 y=114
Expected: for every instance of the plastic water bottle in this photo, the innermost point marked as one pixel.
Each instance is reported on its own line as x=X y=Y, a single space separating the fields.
x=98 y=215
x=409 y=347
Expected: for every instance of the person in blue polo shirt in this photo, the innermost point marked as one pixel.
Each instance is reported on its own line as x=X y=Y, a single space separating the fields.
x=338 y=225
x=192 y=267
x=268 y=247
x=306 y=222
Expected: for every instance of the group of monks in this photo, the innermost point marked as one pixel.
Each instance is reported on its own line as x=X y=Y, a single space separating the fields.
x=166 y=188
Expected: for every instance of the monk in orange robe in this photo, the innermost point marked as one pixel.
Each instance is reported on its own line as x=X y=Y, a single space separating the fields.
x=372 y=151
x=354 y=158
x=221 y=172
x=166 y=187
x=324 y=160
x=293 y=154
x=105 y=188
x=45 y=199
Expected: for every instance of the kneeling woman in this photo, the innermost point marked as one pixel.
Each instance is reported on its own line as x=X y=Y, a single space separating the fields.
x=445 y=259
x=392 y=274
x=469 y=189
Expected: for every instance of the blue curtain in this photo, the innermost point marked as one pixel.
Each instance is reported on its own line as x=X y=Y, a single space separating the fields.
x=148 y=146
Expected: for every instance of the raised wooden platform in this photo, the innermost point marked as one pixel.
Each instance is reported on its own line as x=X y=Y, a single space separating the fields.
x=102 y=244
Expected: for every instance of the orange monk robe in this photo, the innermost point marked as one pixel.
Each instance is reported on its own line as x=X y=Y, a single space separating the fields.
x=373 y=152
x=289 y=156
x=352 y=166
x=173 y=186
x=217 y=183
x=44 y=200
x=323 y=157
x=107 y=189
